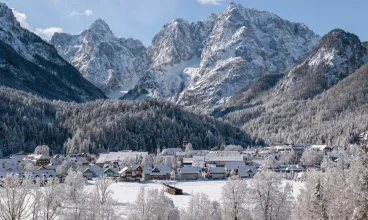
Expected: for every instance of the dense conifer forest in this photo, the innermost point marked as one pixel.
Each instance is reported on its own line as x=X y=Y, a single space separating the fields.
x=105 y=125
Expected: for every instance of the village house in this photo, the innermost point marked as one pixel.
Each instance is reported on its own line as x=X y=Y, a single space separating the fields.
x=194 y=161
x=218 y=159
x=38 y=159
x=111 y=172
x=216 y=173
x=171 y=151
x=158 y=172
x=118 y=157
x=321 y=148
x=233 y=165
x=294 y=168
x=190 y=173
x=131 y=173
x=246 y=171
x=93 y=171
x=33 y=174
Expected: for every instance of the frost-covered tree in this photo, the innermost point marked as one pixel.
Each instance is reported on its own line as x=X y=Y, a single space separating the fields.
x=234 y=148
x=234 y=200
x=359 y=182
x=101 y=205
x=188 y=148
x=200 y=207
x=171 y=162
x=271 y=200
x=288 y=157
x=16 y=198
x=43 y=149
x=49 y=200
x=74 y=183
x=152 y=204
x=158 y=160
x=147 y=160
x=312 y=202
x=338 y=190
x=311 y=157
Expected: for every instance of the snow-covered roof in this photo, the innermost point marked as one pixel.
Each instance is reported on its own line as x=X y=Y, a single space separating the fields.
x=17 y=157
x=119 y=156
x=187 y=160
x=318 y=147
x=294 y=167
x=114 y=170
x=233 y=164
x=98 y=171
x=224 y=156
x=282 y=147
x=217 y=170
x=171 y=151
x=190 y=170
x=125 y=169
x=41 y=156
x=244 y=171
x=157 y=170
x=7 y=161
x=32 y=173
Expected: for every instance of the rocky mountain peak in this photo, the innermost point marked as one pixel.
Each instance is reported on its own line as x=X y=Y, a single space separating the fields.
x=112 y=64
x=335 y=56
x=172 y=44
x=98 y=31
x=7 y=16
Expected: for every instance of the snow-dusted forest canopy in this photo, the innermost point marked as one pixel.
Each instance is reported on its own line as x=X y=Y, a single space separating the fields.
x=334 y=117
x=105 y=125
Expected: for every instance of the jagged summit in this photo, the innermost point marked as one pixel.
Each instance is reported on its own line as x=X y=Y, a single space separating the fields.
x=100 y=26
x=7 y=16
x=112 y=64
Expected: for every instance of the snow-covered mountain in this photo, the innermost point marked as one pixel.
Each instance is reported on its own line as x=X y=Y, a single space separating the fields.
x=28 y=63
x=114 y=64
x=336 y=55
x=202 y=64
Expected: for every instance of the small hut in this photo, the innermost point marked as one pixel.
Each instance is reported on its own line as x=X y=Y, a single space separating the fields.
x=173 y=190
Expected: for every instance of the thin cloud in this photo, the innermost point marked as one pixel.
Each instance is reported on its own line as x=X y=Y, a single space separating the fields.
x=47 y=33
x=211 y=2
x=22 y=18
x=88 y=12
x=75 y=13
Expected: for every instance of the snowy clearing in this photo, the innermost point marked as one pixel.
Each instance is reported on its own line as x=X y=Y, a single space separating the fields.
x=126 y=192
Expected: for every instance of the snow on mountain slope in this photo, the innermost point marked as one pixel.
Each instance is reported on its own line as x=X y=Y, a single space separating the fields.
x=336 y=55
x=28 y=63
x=234 y=49
x=244 y=45
x=113 y=64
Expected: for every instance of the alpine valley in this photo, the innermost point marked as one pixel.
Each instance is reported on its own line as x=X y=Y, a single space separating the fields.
x=243 y=76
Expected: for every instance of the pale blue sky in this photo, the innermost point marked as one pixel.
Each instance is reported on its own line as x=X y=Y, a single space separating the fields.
x=142 y=19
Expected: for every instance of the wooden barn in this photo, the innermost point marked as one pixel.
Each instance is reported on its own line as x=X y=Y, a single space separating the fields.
x=173 y=190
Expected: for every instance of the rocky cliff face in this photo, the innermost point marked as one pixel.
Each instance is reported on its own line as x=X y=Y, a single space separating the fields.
x=203 y=64
x=113 y=64
x=28 y=63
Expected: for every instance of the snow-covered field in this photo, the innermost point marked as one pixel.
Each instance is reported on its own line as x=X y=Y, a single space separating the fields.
x=126 y=192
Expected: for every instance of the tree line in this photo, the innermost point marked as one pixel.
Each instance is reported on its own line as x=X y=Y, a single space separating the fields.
x=27 y=121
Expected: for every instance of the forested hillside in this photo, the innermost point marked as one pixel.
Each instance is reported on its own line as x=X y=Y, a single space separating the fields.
x=28 y=121
x=334 y=117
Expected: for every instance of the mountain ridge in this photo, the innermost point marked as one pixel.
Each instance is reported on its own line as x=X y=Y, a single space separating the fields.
x=31 y=64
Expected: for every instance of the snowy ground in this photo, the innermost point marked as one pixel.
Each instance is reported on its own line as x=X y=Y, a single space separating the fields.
x=126 y=192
